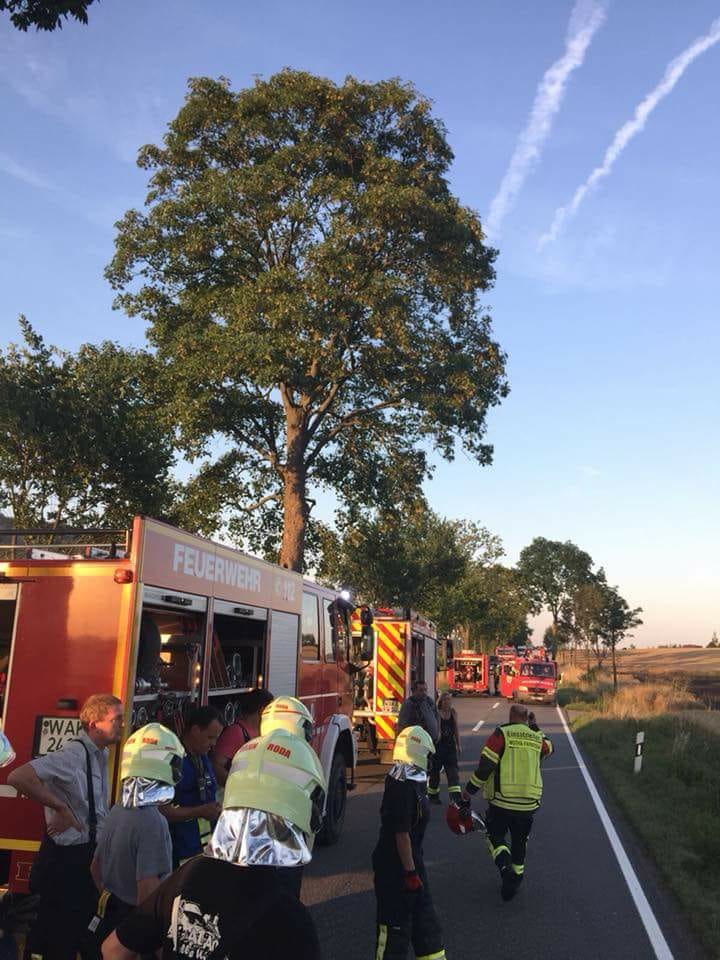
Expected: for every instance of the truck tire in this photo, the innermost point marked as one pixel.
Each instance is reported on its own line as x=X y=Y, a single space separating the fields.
x=336 y=803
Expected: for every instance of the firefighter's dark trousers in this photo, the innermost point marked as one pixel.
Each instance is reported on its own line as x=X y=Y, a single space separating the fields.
x=445 y=759
x=499 y=823
x=405 y=918
x=61 y=876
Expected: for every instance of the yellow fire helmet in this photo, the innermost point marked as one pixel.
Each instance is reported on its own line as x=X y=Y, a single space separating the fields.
x=153 y=752
x=280 y=774
x=7 y=754
x=413 y=745
x=287 y=713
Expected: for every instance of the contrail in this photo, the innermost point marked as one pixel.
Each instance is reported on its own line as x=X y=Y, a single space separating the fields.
x=586 y=17
x=673 y=72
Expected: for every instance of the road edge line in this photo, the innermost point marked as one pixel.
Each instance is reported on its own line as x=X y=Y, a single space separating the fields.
x=645 y=911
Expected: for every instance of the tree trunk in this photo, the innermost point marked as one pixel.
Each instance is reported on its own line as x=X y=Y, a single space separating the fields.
x=295 y=505
x=614 y=668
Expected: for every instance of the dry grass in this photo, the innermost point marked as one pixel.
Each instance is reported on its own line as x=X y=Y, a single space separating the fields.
x=633 y=701
x=591 y=690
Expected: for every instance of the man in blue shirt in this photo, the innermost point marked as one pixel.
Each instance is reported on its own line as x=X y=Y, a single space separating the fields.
x=194 y=810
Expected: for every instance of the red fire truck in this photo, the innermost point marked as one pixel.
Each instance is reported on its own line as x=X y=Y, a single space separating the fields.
x=396 y=647
x=162 y=619
x=468 y=672
x=532 y=677
x=536 y=681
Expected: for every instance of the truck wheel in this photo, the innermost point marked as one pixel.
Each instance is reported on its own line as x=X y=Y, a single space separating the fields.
x=336 y=801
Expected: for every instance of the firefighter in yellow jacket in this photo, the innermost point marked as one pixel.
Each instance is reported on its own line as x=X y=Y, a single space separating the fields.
x=509 y=774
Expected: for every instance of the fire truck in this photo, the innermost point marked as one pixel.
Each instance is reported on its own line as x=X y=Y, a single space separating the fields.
x=532 y=678
x=164 y=620
x=392 y=649
x=468 y=673
x=536 y=681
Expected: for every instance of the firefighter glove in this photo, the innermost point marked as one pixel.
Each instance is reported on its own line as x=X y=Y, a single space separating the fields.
x=413 y=883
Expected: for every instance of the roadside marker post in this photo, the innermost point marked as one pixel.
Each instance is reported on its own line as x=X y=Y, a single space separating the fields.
x=639 y=741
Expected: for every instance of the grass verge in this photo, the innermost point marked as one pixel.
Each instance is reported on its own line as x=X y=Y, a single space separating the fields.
x=673 y=804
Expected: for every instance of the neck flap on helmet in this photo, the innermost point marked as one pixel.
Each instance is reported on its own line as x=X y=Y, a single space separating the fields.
x=144 y=792
x=407 y=771
x=254 y=838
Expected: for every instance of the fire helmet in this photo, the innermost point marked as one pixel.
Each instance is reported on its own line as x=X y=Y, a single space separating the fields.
x=153 y=752
x=279 y=774
x=287 y=713
x=463 y=820
x=7 y=754
x=413 y=745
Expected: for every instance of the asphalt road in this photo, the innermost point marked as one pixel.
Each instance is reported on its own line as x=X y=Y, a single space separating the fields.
x=574 y=903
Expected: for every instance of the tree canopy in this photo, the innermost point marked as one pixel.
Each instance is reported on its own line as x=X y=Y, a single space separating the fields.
x=313 y=288
x=45 y=14
x=418 y=560
x=449 y=570
x=80 y=442
x=553 y=571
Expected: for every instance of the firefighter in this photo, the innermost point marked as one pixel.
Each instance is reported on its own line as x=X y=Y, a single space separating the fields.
x=405 y=912
x=230 y=903
x=287 y=713
x=446 y=756
x=291 y=715
x=134 y=852
x=509 y=774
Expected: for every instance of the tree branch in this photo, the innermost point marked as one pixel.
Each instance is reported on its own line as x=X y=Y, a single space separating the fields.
x=261 y=502
x=354 y=415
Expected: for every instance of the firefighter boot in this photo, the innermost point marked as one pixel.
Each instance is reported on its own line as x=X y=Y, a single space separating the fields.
x=511 y=880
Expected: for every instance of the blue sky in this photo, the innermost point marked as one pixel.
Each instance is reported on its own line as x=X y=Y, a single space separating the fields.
x=610 y=435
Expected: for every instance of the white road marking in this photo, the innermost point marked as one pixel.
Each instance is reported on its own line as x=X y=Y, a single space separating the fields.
x=652 y=928
x=496 y=705
x=477 y=726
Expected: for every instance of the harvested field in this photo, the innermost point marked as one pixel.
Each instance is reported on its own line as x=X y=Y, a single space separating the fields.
x=696 y=670
x=699 y=669
x=698 y=662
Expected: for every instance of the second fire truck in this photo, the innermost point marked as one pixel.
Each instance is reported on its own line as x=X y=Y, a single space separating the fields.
x=392 y=649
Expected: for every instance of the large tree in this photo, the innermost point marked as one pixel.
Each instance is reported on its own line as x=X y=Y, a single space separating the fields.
x=553 y=571
x=44 y=14
x=81 y=438
x=313 y=287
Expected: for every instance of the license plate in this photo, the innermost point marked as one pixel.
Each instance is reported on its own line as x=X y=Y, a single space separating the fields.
x=52 y=733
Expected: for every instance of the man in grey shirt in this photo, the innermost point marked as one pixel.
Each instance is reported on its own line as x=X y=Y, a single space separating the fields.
x=419 y=710
x=61 y=871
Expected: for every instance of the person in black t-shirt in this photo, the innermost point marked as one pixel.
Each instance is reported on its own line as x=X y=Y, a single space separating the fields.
x=405 y=911
x=227 y=902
